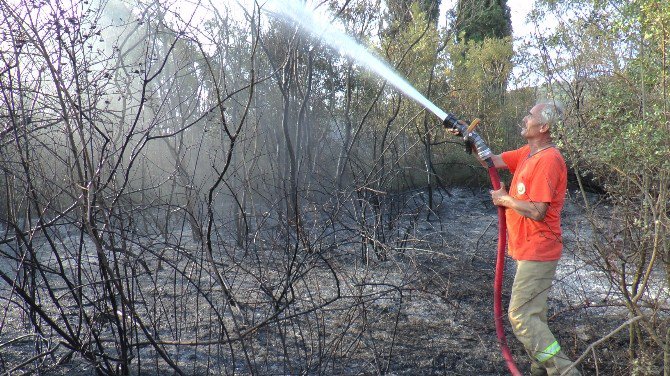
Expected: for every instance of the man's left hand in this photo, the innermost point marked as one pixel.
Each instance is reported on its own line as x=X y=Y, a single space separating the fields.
x=500 y=196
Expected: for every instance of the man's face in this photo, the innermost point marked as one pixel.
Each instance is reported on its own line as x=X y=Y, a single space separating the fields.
x=532 y=123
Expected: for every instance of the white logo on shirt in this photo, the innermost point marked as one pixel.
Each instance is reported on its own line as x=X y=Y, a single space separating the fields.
x=520 y=188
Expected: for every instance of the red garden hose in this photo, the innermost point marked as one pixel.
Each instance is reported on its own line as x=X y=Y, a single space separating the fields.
x=471 y=142
x=498 y=280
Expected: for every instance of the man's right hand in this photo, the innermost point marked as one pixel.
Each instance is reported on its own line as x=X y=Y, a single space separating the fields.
x=453 y=131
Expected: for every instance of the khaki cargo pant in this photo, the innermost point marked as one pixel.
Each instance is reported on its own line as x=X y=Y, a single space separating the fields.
x=528 y=316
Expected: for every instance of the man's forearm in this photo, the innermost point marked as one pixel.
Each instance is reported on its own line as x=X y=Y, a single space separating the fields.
x=496 y=158
x=533 y=210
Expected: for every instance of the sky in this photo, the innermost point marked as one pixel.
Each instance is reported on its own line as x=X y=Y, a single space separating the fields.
x=520 y=9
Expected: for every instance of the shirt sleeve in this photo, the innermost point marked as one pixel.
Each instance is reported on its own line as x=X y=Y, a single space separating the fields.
x=512 y=157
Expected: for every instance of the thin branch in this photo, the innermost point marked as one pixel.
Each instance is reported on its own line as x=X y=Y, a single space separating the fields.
x=598 y=342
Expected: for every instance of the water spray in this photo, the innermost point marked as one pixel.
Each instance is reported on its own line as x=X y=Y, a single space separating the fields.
x=319 y=26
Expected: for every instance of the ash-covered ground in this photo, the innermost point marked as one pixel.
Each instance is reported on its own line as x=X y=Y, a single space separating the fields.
x=337 y=300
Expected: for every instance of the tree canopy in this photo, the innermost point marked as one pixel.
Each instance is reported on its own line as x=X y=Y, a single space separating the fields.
x=477 y=20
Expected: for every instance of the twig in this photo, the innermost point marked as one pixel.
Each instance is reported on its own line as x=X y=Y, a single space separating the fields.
x=592 y=346
x=34 y=358
x=17 y=339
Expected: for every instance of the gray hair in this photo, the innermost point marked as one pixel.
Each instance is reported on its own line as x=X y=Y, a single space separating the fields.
x=552 y=112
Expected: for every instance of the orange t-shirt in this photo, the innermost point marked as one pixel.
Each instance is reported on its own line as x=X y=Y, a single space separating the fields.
x=538 y=178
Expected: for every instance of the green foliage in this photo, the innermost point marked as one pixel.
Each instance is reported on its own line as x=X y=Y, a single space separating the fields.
x=414 y=46
x=481 y=60
x=482 y=69
x=479 y=77
x=624 y=124
x=620 y=143
x=477 y=20
x=608 y=62
x=654 y=16
x=394 y=129
x=401 y=10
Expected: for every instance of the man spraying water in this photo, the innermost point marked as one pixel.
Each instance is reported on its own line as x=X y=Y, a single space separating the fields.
x=534 y=203
x=533 y=211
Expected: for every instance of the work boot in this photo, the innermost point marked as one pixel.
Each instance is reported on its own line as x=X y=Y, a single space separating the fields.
x=558 y=364
x=537 y=369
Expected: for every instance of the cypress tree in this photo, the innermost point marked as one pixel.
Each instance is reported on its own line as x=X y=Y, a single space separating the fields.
x=480 y=19
x=400 y=9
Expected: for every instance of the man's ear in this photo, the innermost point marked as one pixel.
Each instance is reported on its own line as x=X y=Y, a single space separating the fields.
x=544 y=128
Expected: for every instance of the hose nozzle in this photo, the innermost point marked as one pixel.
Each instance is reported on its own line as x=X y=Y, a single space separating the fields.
x=473 y=137
x=452 y=122
x=473 y=141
